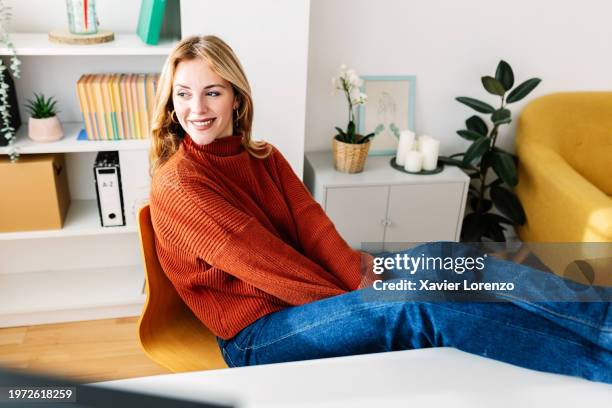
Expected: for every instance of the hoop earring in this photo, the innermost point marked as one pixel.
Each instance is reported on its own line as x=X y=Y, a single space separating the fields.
x=172 y=115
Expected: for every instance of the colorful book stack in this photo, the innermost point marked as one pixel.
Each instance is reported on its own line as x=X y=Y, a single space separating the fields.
x=117 y=106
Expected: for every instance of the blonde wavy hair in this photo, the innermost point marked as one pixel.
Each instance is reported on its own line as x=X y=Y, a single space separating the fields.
x=166 y=135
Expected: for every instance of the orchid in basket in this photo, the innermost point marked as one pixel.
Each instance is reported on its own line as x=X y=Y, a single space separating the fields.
x=349 y=82
x=6 y=128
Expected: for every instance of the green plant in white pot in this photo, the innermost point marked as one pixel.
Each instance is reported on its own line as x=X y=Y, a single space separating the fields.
x=43 y=125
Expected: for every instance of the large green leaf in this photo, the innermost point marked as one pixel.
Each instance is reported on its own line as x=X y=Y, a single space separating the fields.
x=514 y=156
x=475 y=104
x=504 y=166
x=476 y=124
x=493 y=86
x=504 y=75
x=473 y=227
x=469 y=134
x=493 y=229
x=501 y=116
x=350 y=130
x=522 y=90
x=454 y=162
x=486 y=204
x=508 y=203
x=476 y=150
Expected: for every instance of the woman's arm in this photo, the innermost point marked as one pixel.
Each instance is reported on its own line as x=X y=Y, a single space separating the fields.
x=318 y=236
x=215 y=231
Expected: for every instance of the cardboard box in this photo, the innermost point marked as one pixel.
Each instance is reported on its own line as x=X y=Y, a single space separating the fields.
x=34 y=192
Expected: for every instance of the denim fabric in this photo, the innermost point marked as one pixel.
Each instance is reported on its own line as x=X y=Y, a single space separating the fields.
x=572 y=338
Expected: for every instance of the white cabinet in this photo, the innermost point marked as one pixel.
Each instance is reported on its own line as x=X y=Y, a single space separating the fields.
x=82 y=271
x=382 y=207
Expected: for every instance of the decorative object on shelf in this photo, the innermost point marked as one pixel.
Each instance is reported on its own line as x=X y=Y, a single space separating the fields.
x=414 y=163
x=483 y=196
x=391 y=108
x=418 y=156
x=350 y=148
x=83 y=25
x=107 y=176
x=63 y=36
x=429 y=148
x=82 y=17
x=44 y=126
x=8 y=98
x=150 y=20
x=406 y=141
x=117 y=106
x=35 y=193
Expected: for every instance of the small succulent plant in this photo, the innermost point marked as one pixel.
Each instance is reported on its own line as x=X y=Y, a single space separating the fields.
x=42 y=108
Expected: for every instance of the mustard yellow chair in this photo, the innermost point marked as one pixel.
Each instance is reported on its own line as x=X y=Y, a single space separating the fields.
x=564 y=144
x=170 y=334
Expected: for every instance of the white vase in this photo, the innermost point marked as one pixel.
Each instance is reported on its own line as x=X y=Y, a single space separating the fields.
x=45 y=130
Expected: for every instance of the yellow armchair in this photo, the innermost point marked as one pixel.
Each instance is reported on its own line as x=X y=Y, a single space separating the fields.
x=564 y=144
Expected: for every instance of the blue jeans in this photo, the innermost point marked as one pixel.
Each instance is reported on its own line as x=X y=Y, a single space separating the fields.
x=572 y=338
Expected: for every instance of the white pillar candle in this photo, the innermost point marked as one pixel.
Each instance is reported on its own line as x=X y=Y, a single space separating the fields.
x=417 y=142
x=429 y=147
x=404 y=146
x=414 y=161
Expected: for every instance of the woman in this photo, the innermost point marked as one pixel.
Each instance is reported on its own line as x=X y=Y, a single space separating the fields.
x=262 y=266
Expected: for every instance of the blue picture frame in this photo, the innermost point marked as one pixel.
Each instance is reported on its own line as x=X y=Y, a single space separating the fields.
x=391 y=99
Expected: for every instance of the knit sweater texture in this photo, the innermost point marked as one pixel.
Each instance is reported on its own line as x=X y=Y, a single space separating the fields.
x=241 y=237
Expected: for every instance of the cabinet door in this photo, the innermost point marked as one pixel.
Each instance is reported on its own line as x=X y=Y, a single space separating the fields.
x=358 y=214
x=424 y=212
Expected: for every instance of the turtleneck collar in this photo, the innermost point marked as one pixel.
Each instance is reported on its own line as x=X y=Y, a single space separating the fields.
x=225 y=146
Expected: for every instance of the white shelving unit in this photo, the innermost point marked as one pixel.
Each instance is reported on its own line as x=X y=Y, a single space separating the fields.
x=82 y=219
x=82 y=271
x=70 y=144
x=124 y=44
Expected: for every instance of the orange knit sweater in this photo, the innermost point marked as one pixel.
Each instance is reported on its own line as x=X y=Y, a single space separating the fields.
x=241 y=237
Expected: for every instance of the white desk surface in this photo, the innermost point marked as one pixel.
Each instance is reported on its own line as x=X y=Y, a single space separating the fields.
x=441 y=377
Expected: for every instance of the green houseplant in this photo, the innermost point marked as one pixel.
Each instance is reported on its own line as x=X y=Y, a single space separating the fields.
x=483 y=157
x=43 y=125
x=350 y=149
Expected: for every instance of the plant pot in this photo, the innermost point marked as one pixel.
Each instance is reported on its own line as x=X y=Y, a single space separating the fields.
x=45 y=130
x=348 y=157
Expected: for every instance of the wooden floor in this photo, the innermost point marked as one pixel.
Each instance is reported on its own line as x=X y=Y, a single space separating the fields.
x=88 y=351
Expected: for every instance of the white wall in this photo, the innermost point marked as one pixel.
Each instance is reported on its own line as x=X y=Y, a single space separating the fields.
x=270 y=38
x=449 y=45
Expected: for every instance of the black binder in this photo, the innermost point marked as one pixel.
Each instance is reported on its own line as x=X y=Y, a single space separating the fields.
x=107 y=176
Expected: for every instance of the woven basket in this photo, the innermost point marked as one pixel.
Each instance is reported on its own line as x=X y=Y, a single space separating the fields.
x=348 y=157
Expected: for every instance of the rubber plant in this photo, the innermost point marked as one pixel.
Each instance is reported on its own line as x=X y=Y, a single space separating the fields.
x=483 y=156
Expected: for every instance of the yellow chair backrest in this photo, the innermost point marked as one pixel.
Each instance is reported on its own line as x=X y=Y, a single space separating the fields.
x=576 y=125
x=170 y=334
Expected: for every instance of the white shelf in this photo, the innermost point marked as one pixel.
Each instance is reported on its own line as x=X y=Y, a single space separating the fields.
x=124 y=44
x=69 y=295
x=69 y=142
x=82 y=219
